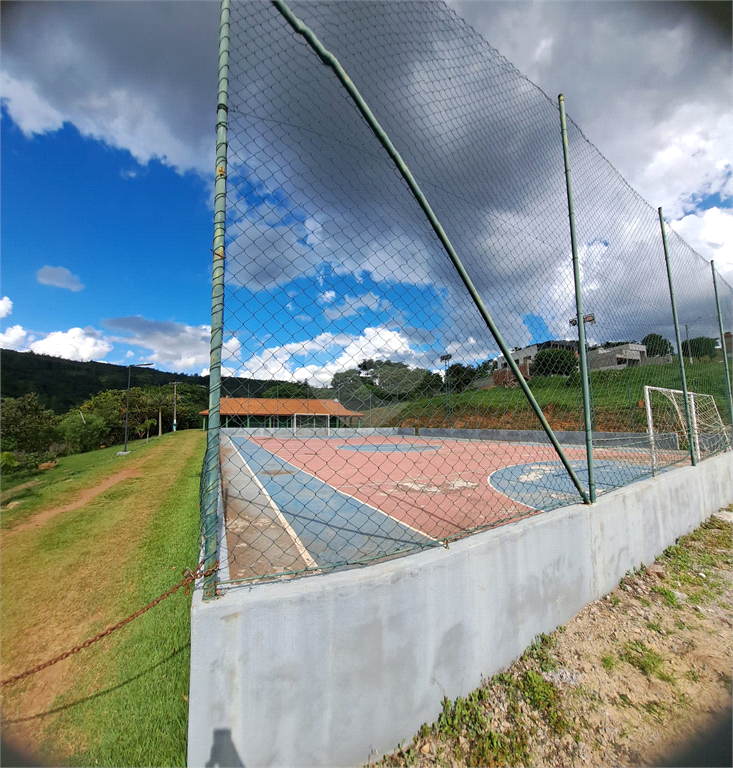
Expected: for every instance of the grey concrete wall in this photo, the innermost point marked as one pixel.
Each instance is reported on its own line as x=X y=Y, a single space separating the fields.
x=600 y=439
x=328 y=670
x=345 y=432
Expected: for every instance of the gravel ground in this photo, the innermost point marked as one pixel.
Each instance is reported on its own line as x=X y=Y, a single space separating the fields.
x=633 y=679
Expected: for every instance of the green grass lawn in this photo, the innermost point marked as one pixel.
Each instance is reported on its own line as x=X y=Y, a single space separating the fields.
x=123 y=701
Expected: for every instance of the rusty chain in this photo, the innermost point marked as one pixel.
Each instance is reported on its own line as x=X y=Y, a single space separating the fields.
x=189 y=578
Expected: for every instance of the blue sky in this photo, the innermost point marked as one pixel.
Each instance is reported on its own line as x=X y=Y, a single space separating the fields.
x=107 y=185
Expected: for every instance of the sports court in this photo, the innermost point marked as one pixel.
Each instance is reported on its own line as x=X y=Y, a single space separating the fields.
x=294 y=503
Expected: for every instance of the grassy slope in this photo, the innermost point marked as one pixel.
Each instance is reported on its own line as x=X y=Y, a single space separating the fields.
x=616 y=396
x=54 y=487
x=121 y=701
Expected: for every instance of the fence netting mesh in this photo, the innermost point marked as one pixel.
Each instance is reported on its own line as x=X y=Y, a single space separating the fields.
x=366 y=408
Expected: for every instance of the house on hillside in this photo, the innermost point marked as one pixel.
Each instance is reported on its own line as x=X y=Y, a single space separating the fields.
x=284 y=413
x=528 y=354
x=503 y=376
x=616 y=358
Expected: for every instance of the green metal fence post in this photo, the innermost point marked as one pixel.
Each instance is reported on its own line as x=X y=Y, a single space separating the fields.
x=330 y=60
x=693 y=458
x=582 y=352
x=211 y=464
x=726 y=370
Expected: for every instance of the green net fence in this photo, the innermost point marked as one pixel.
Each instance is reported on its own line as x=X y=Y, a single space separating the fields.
x=367 y=409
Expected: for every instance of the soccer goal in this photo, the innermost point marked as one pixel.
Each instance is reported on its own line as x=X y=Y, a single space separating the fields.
x=667 y=425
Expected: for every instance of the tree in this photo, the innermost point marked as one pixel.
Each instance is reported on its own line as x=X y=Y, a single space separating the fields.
x=289 y=390
x=554 y=362
x=110 y=407
x=656 y=345
x=26 y=425
x=82 y=434
x=486 y=368
x=161 y=398
x=701 y=346
x=460 y=376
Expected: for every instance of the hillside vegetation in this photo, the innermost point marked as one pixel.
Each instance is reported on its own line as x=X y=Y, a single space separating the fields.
x=617 y=398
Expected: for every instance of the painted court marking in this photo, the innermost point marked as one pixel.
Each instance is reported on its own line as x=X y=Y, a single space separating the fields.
x=302 y=551
x=334 y=527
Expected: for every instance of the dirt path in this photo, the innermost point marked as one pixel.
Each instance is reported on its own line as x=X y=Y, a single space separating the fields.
x=84 y=496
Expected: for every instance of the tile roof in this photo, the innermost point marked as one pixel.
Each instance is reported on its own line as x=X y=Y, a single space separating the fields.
x=273 y=406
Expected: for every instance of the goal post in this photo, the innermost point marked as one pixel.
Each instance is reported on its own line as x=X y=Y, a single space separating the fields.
x=667 y=425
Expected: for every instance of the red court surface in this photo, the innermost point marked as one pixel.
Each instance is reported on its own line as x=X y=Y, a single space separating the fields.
x=437 y=487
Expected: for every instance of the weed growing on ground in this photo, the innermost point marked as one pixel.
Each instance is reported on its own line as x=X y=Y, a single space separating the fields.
x=667 y=595
x=645 y=659
x=543 y=696
x=540 y=649
x=609 y=661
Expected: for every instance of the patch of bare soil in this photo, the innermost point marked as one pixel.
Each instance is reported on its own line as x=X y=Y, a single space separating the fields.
x=631 y=680
x=83 y=497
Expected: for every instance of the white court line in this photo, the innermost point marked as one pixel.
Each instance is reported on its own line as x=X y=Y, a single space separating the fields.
x=355 y=498
x=309 y=561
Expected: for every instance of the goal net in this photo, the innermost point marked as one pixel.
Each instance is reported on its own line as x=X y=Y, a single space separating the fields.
x=669 y=436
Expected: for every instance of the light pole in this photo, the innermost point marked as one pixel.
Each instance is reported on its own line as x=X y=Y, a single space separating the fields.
x=687 y=334
x=445 y=359
x=175 y=401
x=124 y=451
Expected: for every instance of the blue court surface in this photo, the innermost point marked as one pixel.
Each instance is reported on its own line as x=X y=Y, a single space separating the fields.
x=544 y=485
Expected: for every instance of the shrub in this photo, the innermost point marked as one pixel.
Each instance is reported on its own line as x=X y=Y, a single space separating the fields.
x=83 y=435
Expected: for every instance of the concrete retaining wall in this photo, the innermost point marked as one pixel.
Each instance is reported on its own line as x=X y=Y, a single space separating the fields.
x=600 y=439
x=328 y=670
x=345 y=432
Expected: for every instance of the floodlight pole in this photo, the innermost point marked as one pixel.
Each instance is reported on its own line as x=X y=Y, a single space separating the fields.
x=693 y=459
x=726 y=369
x=583 y=361
x=331 y=61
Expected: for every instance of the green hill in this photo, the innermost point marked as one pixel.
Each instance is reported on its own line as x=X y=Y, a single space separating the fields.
x=63 y=384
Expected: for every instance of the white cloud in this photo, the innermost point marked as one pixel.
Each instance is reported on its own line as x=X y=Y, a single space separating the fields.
x=74 y=344
x=176 y=345
x=6 y=306
x=60 y=277
x=346 y=350
x=710 y=233
x=30 y=112
x=13 y=337
x=352 y=305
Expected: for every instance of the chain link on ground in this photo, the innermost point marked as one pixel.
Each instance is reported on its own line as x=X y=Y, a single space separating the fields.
x=189 y=578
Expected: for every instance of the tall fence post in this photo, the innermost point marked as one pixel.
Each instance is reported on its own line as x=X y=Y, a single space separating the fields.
x=693 y=459
x=582 y=354
x=330 y=60
x=726 y=369
x=212 y=467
